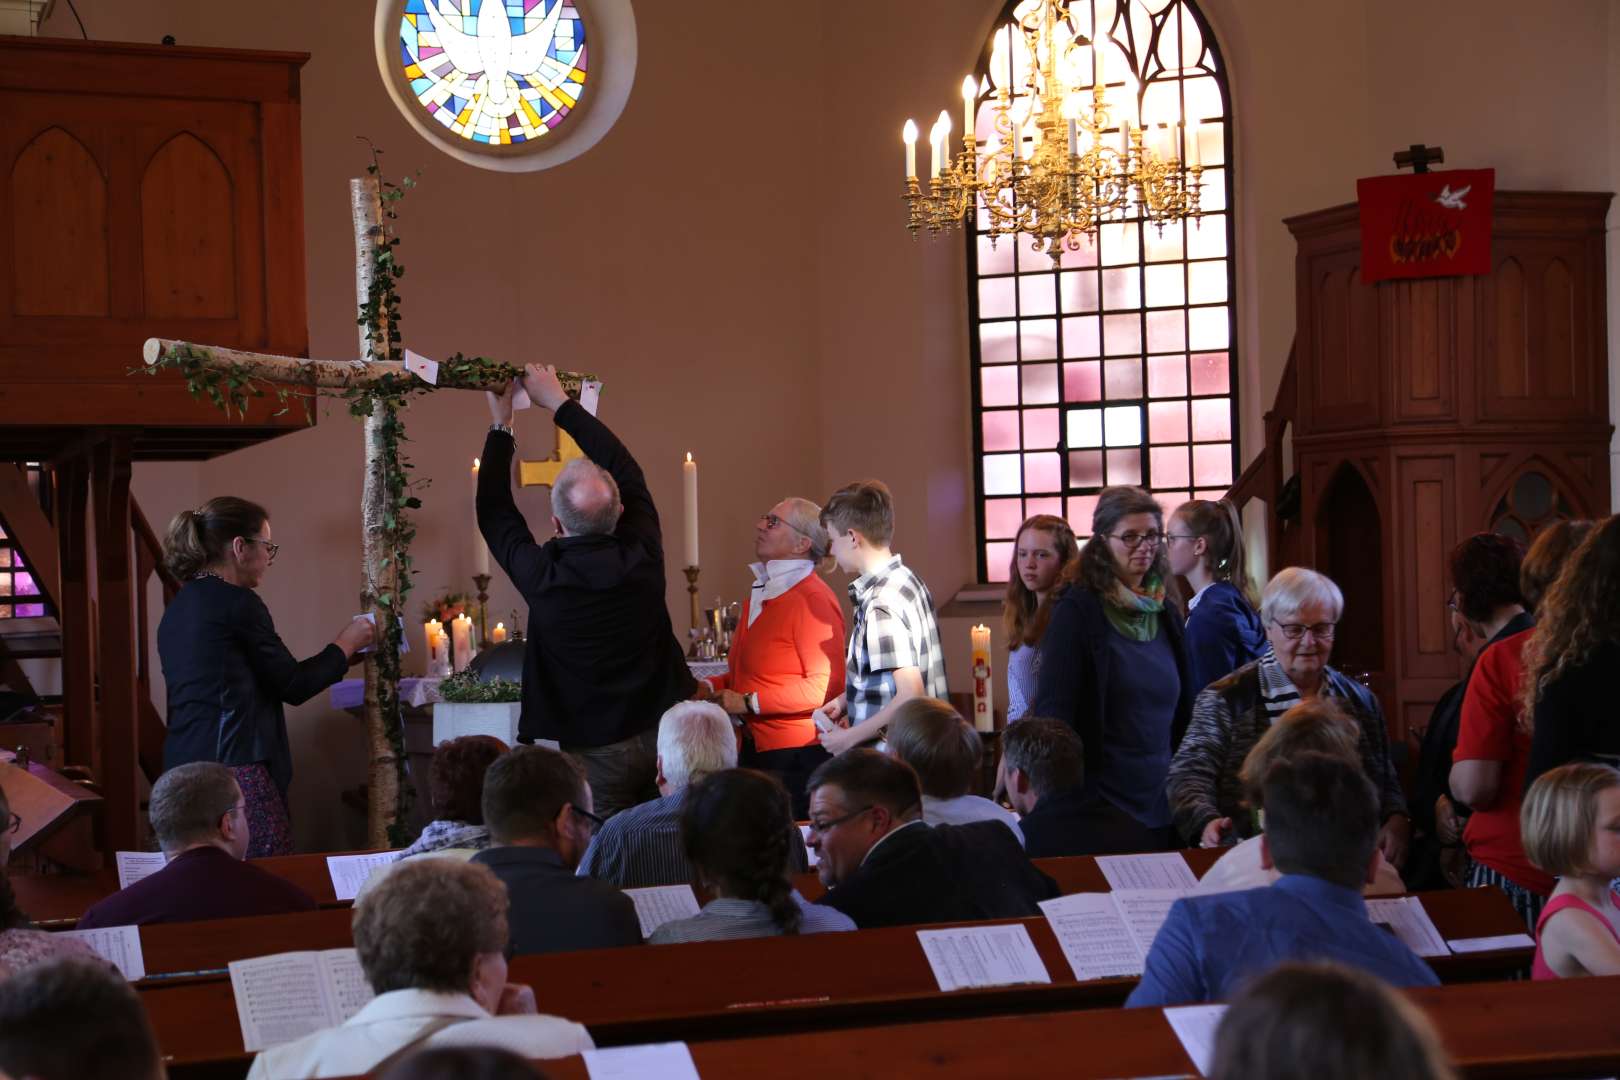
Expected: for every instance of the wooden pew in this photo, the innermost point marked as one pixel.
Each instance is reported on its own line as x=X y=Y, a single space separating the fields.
x=1530 y=1030
x=55 y=901
x=720 y=989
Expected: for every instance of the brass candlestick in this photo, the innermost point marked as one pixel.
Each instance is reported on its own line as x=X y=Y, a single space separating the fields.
x=692 y=589
x=482 y=583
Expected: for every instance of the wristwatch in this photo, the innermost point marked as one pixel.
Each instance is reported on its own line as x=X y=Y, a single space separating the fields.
x=752 y=701
x=507 y=428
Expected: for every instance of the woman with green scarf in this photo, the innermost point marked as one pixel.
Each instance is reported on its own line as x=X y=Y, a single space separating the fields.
x=1113 y=667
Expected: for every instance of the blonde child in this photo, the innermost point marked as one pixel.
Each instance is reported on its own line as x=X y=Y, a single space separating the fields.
x=1571 y=827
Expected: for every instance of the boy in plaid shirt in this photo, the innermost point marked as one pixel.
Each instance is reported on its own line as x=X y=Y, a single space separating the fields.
x=893 y=653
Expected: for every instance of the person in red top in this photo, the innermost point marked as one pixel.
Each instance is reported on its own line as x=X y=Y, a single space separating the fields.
x=787 y=656
x=1492 y=753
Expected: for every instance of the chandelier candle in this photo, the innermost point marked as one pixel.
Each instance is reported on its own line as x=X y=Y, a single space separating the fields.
x=984 y=714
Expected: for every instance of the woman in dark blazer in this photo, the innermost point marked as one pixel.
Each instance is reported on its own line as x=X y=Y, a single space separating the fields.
x=227 y=673
x=1114 y=667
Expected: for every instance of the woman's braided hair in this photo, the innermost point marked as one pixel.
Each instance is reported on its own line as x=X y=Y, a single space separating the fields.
x=737 y=829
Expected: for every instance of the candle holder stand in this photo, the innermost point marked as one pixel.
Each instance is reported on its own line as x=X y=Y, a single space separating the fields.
x=482 y=583
x=691 y=573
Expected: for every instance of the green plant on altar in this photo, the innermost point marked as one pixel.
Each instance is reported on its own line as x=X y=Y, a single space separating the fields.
x=465 y=688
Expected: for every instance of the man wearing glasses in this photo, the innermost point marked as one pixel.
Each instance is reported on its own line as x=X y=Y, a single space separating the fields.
x=884 y=866
x=787 y=655
x=537 y=805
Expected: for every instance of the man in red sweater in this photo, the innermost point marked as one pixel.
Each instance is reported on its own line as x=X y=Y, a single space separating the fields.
x=787 y=656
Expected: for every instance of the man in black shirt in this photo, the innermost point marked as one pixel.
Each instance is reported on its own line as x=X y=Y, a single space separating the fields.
x=538 y=809
x=602 y=662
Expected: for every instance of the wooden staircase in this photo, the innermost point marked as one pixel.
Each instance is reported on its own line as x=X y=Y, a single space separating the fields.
x=94 y=557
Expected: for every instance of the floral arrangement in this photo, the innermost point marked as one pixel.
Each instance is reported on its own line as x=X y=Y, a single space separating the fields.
x=447 y=607
x=465 y=688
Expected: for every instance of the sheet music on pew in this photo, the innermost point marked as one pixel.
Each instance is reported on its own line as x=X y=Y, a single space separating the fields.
x=648 y=1061
x=289 y=995
x=1108 y=935
x=349 y=872
x=135 y=865
x=1159 y=870
x=118 y=945
x=1195 y=1026
x=1406 y=919
x=974 y=956
x=659 y=904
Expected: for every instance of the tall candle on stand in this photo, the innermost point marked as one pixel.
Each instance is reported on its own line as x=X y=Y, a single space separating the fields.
x=984 y=712
x=461 y=649
x=480 y=549
x=689 y=478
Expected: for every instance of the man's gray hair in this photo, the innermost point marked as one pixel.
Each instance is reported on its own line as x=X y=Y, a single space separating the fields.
x=695 y=738
x=188 y=801
x=576 y=499
x=804 y=518
x=1295 y=587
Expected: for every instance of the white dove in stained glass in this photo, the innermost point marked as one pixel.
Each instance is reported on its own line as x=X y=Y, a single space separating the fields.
x=494 y=49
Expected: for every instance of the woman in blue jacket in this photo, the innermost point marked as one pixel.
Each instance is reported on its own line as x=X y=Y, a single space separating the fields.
x=1204 y=545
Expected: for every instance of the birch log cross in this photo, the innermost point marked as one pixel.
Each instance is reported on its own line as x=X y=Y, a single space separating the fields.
x=376 y=387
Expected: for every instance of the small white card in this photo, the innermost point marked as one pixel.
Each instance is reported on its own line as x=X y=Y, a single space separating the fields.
x=974 y=956
x=1406 y=917
x=1195 y=1026
x=404 y=642
x=135 y=865
x=349 y=872
x=1162 y=870
x=118 y=945
x=423 y=368
x=659 y=904
x=821 y=720
x=650 y=1061
x=1491 y=944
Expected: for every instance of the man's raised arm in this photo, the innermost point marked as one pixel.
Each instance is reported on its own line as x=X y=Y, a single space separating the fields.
x=640 y=517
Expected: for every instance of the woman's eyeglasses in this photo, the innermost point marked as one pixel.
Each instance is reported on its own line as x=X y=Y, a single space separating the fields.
x=269 y=548
x=1134 y=540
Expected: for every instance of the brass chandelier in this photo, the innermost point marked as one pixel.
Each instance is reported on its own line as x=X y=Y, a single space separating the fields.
x=1082 y=169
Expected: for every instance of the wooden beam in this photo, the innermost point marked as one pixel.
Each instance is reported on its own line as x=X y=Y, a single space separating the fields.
x=31 y=531
x=119 y=715
x=76 y=612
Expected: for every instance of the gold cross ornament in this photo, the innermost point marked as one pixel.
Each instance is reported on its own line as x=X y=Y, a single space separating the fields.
x=543 y=473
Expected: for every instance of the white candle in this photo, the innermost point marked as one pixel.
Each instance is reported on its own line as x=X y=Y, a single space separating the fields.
x=498 y=635
x=970 y=90
x=480 y=549
x=944 y=125
x=689 y=477
x=983 y=690
x=933 y=144
x=909 y=133
x=461 y=641
x=438 y=653
x=1193 y=151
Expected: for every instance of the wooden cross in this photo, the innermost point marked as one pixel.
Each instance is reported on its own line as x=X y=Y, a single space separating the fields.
x=381 y=571
x=1418 y=157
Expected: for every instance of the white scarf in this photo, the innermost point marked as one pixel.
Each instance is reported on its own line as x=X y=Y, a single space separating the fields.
x=772 y=579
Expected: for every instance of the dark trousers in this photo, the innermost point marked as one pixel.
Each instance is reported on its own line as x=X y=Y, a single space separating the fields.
x=1113 y=831
x=792 y=766
x=621 y=774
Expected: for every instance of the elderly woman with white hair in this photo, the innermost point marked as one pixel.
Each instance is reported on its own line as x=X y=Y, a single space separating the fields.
x=787 y=656
x=1301 y=610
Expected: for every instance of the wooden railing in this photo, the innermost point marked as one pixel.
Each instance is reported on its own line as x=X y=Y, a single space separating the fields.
x=98 y=593
x=1265 y=476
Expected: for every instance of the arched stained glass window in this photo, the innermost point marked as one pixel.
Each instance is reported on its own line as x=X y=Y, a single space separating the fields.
x=1118 y=366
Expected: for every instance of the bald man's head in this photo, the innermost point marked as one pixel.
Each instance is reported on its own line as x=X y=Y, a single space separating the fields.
x=585 y=500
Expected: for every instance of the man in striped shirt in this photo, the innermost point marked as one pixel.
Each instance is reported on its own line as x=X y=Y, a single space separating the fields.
x=641 y=846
